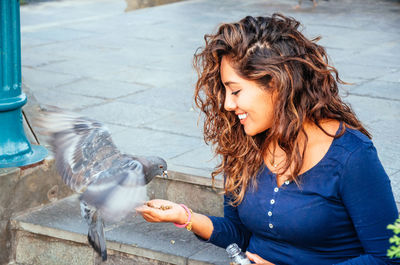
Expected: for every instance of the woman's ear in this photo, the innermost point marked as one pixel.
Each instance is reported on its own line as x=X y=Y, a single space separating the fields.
x=273 y=87
x=272 y=84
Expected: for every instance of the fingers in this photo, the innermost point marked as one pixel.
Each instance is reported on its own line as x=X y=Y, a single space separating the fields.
x=149 y=210
x=151 y=218
x=159 y=211
x=150 y=214
x=144 y=209
x=160 y=204
x=157 y=203
x=257 y=259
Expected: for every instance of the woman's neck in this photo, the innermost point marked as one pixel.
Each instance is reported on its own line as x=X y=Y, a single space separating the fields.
x=315 y=143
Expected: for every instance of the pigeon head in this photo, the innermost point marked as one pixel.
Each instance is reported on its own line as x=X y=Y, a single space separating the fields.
x=153 y=166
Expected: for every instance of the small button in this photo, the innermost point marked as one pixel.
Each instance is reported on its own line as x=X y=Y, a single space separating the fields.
x=287 y=182
x=276 y=189
x=269 y=213
x=272 y=201
x=271 y=226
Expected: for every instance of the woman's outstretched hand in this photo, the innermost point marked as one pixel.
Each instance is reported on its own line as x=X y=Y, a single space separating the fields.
x=156 y=211
x=257 y=259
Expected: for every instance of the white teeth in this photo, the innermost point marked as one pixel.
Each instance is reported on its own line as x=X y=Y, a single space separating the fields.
x=242 y=116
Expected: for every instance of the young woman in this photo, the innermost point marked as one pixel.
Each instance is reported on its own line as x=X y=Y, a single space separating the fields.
x=303 y=181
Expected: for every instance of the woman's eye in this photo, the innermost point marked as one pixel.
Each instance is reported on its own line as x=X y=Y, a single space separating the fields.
x=236 y=92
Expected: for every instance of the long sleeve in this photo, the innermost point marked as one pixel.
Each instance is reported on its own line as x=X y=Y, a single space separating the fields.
x=229 y=229
x=367 y=196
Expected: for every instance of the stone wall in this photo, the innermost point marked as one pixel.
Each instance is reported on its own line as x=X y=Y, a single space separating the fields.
x=25 y=188
x=196 y=192
x=42 y=250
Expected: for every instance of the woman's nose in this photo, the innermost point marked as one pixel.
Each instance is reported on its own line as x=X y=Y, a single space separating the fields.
x=229 y=104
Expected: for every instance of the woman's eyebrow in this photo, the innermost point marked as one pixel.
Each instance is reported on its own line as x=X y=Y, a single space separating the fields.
x=228 y=83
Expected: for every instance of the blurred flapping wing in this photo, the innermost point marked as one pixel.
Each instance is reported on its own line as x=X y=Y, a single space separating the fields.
x=82 y=147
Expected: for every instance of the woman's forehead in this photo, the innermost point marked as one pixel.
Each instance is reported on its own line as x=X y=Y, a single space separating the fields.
x=228 y=73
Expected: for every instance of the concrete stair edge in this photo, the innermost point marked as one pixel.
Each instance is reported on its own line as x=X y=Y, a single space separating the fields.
x=196 y=252
x=82 y=239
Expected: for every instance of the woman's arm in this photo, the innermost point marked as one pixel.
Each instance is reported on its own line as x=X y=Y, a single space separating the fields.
x=220 y=231
x=174 y=213
x=367 y=195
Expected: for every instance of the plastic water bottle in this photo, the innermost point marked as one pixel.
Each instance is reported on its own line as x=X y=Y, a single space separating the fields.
x=236 y=255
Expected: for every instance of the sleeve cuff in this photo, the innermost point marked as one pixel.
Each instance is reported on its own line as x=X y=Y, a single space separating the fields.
x=216 y=229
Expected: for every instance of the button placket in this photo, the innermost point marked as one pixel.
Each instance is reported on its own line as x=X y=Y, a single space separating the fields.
x=272 y=203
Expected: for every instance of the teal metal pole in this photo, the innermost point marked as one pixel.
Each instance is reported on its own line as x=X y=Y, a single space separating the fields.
x=15 y=149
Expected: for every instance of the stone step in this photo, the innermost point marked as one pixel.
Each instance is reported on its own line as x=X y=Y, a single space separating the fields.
x=56 y=234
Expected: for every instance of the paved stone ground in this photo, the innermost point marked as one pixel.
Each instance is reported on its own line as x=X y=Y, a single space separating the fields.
x=132 y=70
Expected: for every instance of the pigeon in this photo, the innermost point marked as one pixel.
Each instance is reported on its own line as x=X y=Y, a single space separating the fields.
x=111 y=184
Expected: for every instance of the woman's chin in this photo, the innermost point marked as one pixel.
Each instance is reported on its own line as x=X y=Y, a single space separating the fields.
x=253 y=132
x=249 y=132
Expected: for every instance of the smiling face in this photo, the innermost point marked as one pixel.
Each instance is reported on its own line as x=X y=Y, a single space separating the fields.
x=252 y=104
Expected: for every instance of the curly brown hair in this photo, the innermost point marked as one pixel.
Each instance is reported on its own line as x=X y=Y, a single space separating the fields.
x=262 y=49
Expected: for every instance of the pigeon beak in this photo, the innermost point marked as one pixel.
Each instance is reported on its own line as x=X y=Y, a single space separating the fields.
x=165 y=174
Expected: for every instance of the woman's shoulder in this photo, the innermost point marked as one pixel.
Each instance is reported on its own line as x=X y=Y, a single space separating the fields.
x=352 y=150
x=353 y=144
x=353 y=139
x=350 y=140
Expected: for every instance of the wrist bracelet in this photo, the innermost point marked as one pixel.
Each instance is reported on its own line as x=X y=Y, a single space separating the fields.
x=188 y=223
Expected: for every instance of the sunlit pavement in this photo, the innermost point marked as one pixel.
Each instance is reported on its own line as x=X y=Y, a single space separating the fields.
x=133 y=70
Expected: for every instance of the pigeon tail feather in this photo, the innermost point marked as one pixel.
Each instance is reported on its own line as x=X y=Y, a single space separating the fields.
x=96 y=246
x=96 y=236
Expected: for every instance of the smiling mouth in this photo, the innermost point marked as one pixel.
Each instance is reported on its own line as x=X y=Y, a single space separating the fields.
x=242 y=116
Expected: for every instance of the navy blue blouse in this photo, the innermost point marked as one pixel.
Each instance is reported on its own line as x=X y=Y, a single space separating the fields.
x=338 y=215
